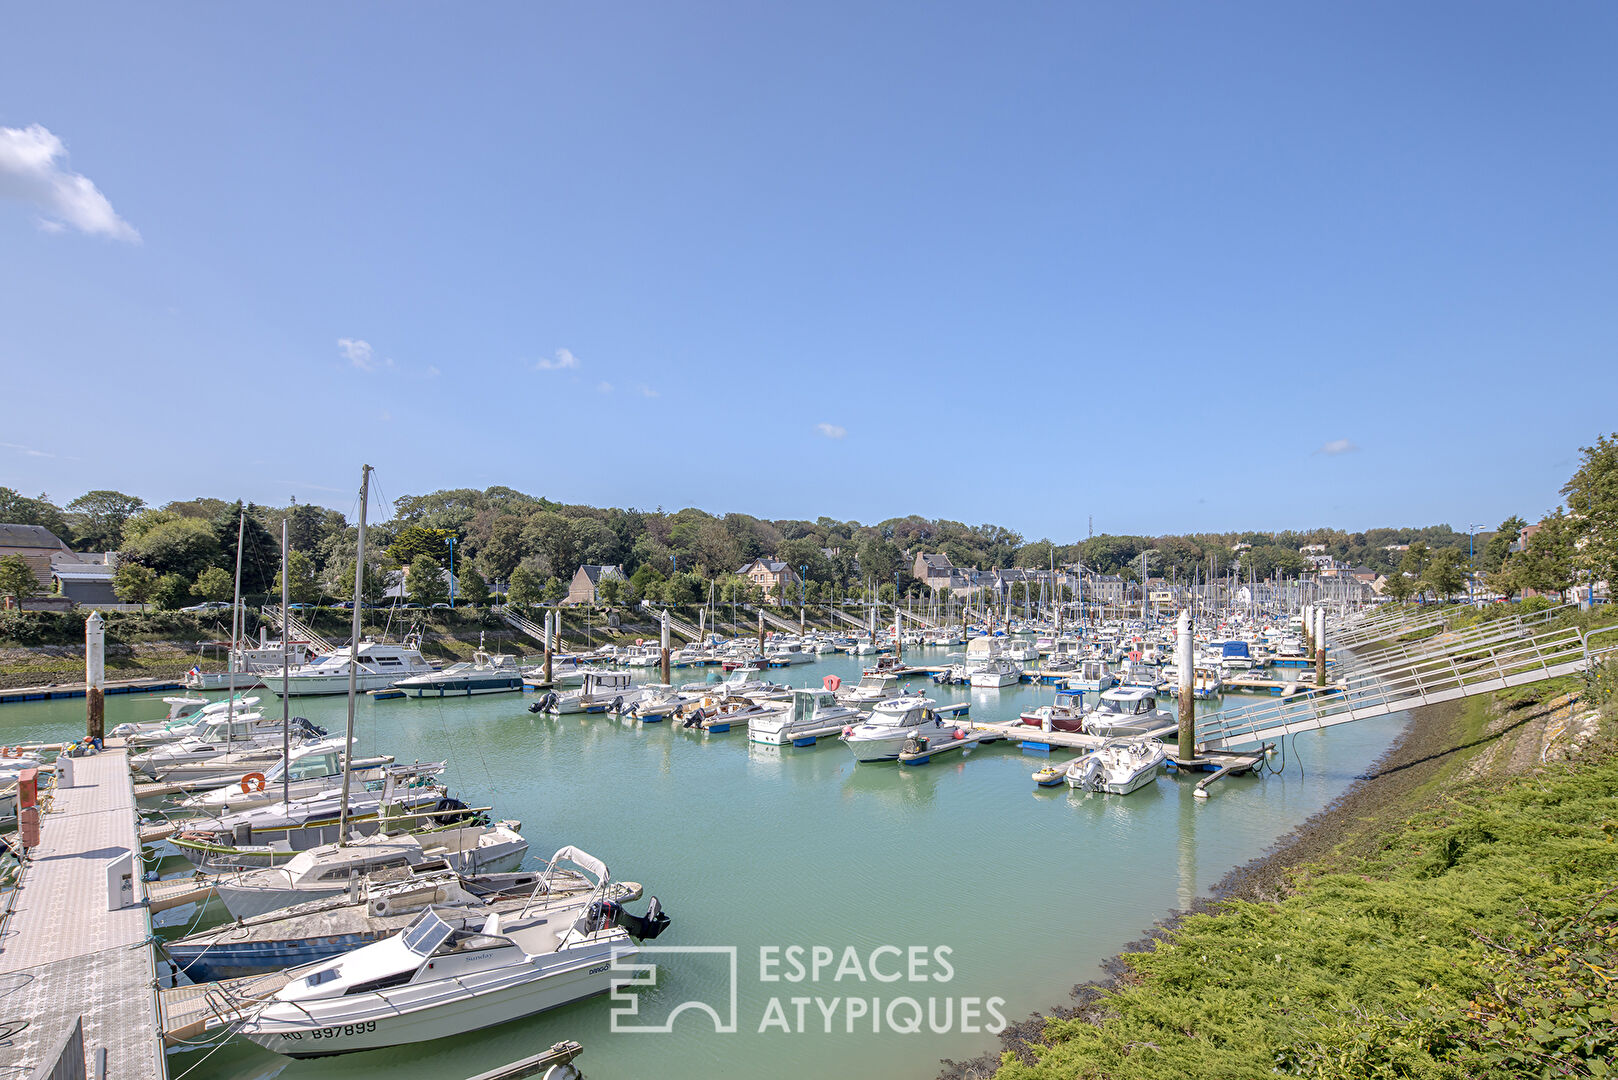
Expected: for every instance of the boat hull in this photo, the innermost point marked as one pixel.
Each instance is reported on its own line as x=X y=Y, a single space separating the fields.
x=494 y=684
x=415 y=1013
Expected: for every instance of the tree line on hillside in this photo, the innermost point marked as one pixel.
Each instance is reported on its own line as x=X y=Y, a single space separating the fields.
x=186 y=550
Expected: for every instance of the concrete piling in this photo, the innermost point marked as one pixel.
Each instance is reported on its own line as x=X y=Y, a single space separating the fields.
x=1320 y=648
x=95 y=674
x=1184 y=656
x=665 y=643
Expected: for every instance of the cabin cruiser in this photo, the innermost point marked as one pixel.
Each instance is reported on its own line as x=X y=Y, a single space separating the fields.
x=1066 y=653
x=1001 y=671
x=327 y=870
x=872 y=688
x=1234 y=656
x=601 y=691
x=814 y=714
x=1126 y=711
x=883 y=733
x=1093 y=676
x=375 y=906
x=1021 y=650
x=787 y=653
x=641 y=655
x=380 y=665
x=484 y=674
x=1118 y=767
x=1066 y=713
x=434 y=980
x=723 y=713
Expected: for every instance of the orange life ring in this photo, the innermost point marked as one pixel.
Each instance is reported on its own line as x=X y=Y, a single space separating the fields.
x=247 y=782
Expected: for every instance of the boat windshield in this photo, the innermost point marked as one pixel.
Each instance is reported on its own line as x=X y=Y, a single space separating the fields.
x=427 y=933
x=455 y=668
x=313 y=766
x=895 y=718
x=1113 y=707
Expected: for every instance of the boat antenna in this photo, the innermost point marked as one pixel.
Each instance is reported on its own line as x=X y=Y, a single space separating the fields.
x=286 y=688
x=354 y=654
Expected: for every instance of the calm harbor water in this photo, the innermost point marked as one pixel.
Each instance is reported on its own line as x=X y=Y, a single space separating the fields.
x=1021 y=891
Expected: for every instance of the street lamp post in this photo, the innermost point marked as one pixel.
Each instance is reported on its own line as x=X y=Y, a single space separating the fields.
x=450 y=540
x=1471 y=563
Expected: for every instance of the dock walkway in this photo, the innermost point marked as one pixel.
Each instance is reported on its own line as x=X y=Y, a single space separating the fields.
x=62 y=953
x=75 y=690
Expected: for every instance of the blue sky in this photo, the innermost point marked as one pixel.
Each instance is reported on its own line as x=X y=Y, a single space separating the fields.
x=1176 y=266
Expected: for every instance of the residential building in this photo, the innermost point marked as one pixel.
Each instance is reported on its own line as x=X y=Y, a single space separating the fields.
x=37 y=545
x=585 y=588
x=772 y=575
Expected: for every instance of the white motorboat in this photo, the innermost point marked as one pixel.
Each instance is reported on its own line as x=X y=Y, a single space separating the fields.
x=872 y=688
x=180 y=708
x=328 y=869
x=883 y=733
x=814 y=714
x=742 y=681
x=433 y=980
x=643 y=656
x=657 y=701
x=220 y=746
x=379 y=665
x=1022 y=650
x=787 y=653
x=1126 y=711
x=1093 y=676
x=1118 y=767
x=998 y=672
x=146 y=736
x=601 y=691
x=483 y=674
x=316 y=768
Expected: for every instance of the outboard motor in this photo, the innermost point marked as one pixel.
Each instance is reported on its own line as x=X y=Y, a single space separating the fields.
x=603 y=913
x=537 y=707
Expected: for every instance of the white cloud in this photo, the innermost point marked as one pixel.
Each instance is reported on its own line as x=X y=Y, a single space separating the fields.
x=32 y=170
x=646 y=391
x=564 y=360
x=27 y=451
x=604 y=386
x=384 y=416
x=432 y=371
x=831 y=431
x=1337 y=446
x=359 y=352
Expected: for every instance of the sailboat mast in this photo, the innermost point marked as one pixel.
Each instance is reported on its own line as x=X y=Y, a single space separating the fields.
x=286 y=667
x=354 y=654
x=235 y=634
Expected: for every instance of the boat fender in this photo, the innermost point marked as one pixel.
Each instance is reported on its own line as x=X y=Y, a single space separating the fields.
x=250 y=780
x=847 y=731
x=959 y=734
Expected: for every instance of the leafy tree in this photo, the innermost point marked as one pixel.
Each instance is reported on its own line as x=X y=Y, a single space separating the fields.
x=17 y=509
x=470 y=588
x=554 y=590
x=413 y=541
x=1547 y=564
x=879 y=559
x=1446 y=572
x=17 y=578
x=644 y=578
x=1398 y=586
x=502 y=551
x=261 y=552
x=796 y=553
x=182 y=546
x=525 y=589
x=214 y=583
x=1592 y=503
x=1507 y=579
x=171 y=592
x=1498 y=546
x=134 y=583
x=611 y=590
x=98 y=517
x=303 y=585
x=372 y=585
x=425 y=581
x=1416 y=559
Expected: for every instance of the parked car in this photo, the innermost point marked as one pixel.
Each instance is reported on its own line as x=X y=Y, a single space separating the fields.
x=208 y=605
x=446 y=607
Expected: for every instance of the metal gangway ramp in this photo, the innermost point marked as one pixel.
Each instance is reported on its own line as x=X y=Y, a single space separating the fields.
x=676 y=624
x=1476 y=660
x=290 y=624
